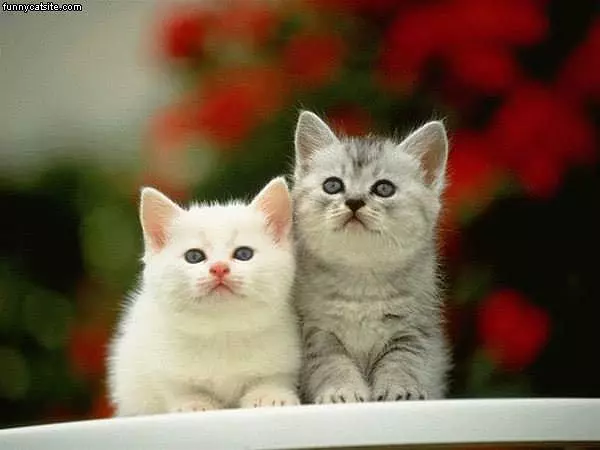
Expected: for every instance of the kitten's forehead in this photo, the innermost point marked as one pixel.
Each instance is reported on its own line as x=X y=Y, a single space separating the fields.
x=365 y=152
x=364 y=159
x=219 y=224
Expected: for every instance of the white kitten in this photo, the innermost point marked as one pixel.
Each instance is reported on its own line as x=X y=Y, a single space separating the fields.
x=211 y=325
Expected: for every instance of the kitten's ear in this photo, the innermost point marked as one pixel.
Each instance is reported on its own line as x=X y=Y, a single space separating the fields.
x=430 y=145
x=312 y=134
x=274 y=202
x=157 y=211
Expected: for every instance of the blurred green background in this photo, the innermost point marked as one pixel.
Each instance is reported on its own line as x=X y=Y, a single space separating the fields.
x=201 y=103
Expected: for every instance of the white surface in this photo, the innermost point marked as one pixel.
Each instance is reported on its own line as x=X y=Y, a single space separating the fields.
x=424 y=422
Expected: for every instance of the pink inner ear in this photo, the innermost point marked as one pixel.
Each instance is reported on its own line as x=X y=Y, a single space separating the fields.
x=431 y=162
x=278 y=212
x=279 y=227
x=274 y=201
x=157 y=213
x=157 y=235
x=429 y=143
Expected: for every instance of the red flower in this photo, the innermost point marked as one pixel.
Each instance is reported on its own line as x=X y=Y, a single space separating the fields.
x=540 y=177
x=228 y=114
x=371 y=7
x=87 y=351
x=250 y=21
x=172 y=127
x=236 y=102
x=184 y=33
x=580 y=79
x=472 y=174
x=101 y=407
x=512 y=330
x=508 y=22
x=160 y=176
x=312 y=60
x=350 y=120
x=538 y=134
x=471 y=37
x=412 y=40
x=489 y=69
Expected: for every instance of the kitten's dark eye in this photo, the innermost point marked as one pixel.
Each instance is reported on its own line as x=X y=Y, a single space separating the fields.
x=384 y=188
x=333 y=185
x=194 y=256
x=243 y=253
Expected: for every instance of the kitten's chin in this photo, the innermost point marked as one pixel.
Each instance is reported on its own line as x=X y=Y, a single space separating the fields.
x=354 y=225
x=218 y=290
x=214 y=299
x=222 y=290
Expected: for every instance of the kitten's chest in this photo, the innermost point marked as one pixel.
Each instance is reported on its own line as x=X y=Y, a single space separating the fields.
x=357 y=309
x=362 y=327
x=209 y=364
x=360 y=286
x=226 y=362
x=209 y=357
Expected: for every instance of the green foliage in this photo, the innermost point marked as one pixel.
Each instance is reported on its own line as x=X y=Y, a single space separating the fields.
x=87 y=233
x=15 y=379
x=110 y=243
x=46 y=317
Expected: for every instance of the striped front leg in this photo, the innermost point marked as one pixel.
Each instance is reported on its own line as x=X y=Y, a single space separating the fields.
x=329 y=374
x=395 y=371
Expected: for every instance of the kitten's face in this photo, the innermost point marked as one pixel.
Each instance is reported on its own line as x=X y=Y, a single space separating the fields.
x=222 y=253
x=362 y=199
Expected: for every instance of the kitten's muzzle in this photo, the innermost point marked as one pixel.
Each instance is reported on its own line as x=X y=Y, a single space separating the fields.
x=219 y=270
x=354 y=204
x=222 y=287
x=354 y=219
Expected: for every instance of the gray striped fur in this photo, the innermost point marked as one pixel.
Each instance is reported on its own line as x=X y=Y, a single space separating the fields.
x=368 y=299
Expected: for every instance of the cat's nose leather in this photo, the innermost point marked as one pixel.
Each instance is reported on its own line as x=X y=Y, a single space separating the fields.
x=219 y=269
x=355 y=204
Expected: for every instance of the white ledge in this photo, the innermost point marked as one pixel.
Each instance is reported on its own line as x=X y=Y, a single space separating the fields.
x=560 y=421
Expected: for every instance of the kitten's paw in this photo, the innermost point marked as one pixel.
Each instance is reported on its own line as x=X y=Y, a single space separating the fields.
x=398 y=393
x=269 y=397
x=343 y=394
x=197 y=405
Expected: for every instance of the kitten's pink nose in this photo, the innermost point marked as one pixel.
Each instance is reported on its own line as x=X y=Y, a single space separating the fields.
x=219 y=269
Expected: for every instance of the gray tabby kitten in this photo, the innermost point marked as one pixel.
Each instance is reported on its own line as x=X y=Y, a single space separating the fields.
x=367 y=290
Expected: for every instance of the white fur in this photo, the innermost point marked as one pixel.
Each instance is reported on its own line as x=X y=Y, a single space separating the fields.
x=180 y=348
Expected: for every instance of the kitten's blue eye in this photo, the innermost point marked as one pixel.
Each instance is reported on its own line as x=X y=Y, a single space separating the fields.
x=243 y=253
x=194 y=256
x=384 y=188
x=333 y=185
